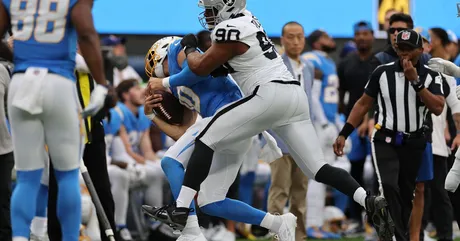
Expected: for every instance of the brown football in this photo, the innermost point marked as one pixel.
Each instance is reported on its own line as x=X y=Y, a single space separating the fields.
x=170 y=109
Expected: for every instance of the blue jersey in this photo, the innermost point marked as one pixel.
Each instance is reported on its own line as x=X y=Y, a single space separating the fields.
x=205 y=96
x=43 y=35
x=134 y=125
x=329 y=97
x=113 y=126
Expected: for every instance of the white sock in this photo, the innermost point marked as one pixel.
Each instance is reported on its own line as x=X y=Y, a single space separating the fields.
x=185 y=198
x=192 y=227
x=271 y=222
x=20 y=239
x=39 y=226
x=360 y=196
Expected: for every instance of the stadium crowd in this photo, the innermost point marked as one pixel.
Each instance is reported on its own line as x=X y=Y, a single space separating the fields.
x=135 y=147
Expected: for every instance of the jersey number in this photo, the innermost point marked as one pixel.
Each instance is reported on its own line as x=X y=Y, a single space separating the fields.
x=46 y=21
x=223 y=35
x=267 y=46
x=331 y=95
x=188 y=98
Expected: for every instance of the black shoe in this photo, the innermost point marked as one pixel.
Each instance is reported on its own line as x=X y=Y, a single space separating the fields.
x=170 y=214
x=378 y=214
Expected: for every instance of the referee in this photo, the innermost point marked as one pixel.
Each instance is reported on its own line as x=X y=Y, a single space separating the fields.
x=405 y=91
x=94 y=158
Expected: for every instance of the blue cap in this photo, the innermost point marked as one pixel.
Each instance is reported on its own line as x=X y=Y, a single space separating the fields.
x=452 y=36
x=112 y=40
x=424 y=33
x=362 y=26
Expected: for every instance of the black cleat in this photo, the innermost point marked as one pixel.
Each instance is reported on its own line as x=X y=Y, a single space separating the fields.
x=170 y=214
x=377 y=212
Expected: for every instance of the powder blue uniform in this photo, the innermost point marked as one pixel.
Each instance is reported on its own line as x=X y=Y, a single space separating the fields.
x=202 y=94
x=135 y=125
x=49 y=42
x=329 y=97
x=45 y=43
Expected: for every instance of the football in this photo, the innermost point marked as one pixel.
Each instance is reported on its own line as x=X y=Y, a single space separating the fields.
x=170 y=109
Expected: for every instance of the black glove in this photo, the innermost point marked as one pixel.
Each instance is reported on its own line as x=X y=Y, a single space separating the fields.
x=190 y=43
x=220 y=71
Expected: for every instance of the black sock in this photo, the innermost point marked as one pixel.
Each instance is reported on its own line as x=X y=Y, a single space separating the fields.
x=198 y=166
x=338 y=179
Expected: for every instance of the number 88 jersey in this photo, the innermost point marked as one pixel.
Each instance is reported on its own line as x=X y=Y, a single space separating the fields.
x=260 y=63
x=43 y=35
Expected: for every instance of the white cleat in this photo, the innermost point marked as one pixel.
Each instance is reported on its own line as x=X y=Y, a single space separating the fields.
x=188 y=237
x=287 y=229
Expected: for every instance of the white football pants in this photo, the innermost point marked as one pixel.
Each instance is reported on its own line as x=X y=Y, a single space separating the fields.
x=150 y=176
x=224 y=168
x=282 y=107
x=44 y=107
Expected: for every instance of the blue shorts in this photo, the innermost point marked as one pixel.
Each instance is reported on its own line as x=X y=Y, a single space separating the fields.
x=360 y=147
x=425 y=172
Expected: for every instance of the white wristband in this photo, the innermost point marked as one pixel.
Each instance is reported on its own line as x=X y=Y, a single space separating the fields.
x=166 y=82
x=151 y=116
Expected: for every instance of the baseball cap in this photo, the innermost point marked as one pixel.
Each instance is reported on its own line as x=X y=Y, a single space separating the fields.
x=409 y=37
x=452 y=36
x=362 y=26
x=112 y=40
x=424 y=33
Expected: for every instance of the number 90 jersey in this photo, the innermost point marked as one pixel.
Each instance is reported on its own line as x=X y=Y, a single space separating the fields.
x=43 y=35
x=261 y=63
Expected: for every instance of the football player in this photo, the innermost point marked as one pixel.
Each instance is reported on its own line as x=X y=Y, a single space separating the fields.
x=42 y=102
x=274 y=100
x=134 y=162
x=449 y=68
x=204 y=95
x=324 y=110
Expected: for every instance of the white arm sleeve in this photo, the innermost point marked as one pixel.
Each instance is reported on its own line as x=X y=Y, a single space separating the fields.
x=316 y=107
x=451 y=99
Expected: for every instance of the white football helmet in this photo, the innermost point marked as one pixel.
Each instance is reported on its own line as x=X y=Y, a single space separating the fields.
x=156 y=56
x=216 y=11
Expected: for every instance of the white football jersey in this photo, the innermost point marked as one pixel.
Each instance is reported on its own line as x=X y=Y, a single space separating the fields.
x=261 y=63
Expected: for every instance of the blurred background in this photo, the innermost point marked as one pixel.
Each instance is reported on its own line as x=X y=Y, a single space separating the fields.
x=142 y=22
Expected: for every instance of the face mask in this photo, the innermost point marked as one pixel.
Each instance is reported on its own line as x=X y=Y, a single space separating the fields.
x=328 y=49
x=119 y=62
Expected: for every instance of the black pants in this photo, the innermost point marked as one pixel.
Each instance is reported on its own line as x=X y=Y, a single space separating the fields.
x=6 y=166
x=441 y=207
x=398 y=168
x=95 y=160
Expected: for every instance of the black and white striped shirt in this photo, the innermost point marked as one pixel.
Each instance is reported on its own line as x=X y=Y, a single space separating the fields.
x=399 y=106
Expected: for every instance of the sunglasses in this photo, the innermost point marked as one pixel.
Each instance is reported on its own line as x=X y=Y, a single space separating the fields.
x=393 y=30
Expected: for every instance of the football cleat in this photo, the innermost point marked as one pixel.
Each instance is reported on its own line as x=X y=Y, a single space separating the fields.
x=170 y=214
x=377 y=211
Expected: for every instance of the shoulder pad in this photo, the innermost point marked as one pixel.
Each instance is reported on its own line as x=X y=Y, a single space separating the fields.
x=311 y=57
x=233 y=30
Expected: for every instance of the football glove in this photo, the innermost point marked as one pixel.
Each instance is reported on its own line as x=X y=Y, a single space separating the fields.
x=329 y=134
x=444 y=66
x=190 y=43
x=97 y=101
